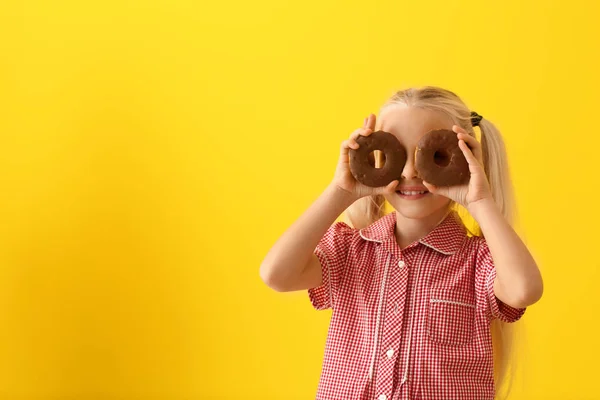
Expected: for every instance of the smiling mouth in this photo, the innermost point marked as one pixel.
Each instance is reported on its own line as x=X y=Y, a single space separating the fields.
x=412 y=192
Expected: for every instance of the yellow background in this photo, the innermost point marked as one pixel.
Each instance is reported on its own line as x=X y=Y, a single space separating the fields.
x=151 y=152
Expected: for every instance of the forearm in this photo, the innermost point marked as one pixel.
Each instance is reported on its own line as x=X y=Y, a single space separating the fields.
x=518 y=279
x=293 y=250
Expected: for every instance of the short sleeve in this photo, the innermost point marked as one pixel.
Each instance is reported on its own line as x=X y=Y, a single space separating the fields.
x=332 y=252
x=496 y=308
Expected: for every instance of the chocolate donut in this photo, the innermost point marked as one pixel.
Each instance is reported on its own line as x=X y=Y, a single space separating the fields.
x=362 y=166
x=439 y=160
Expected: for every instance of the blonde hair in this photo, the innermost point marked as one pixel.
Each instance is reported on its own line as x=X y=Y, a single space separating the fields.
x=369 y=209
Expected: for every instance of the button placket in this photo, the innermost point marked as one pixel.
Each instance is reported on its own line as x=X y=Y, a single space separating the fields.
x=389 y=350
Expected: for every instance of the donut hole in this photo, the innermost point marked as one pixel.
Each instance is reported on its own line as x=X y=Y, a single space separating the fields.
x=376 y=159
x=441 y=158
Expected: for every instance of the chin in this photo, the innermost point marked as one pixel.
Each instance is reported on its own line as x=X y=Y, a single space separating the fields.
x=421 y=208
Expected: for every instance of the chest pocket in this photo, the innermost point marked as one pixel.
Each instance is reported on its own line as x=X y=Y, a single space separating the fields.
x=450 y=317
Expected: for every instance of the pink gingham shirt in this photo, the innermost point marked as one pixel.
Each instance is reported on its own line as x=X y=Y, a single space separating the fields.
x=407 y=324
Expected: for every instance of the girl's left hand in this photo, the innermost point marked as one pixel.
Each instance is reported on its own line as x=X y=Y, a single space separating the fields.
x=478 y=187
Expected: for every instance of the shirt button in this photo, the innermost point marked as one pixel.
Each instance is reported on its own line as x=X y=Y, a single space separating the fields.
x=401 y=264
x=390 y=353
x=382 y=397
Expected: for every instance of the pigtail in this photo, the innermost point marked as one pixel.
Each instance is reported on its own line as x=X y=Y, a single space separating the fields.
x=495 y=164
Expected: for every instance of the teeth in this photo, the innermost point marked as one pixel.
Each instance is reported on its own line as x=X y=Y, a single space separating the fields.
x=412 y=193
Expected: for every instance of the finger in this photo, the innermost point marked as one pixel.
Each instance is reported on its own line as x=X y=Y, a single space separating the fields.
x=355 y=133
x=359 y=132
x=344 y=148
x=467 y=151
x=371 y=119
x=354 y=136
x=393 y=185
x=344 y=157
x=458 y=129
x=462 y=132
x=432 y=188
x=389 y=188
x=366 y=132
x=352 y=144
x=473 y=144
x=474 y=165
x=439 y=190
x=471 y=141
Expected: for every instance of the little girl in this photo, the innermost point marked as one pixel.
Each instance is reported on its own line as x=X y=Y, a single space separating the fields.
x=415 y=296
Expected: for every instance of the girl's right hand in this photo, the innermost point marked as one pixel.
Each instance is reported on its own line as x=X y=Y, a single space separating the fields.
x=343 y=178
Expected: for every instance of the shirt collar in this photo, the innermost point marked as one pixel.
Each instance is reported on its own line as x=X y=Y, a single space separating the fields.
x=445 y=238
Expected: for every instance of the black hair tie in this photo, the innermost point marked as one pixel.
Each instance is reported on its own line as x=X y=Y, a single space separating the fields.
x=475 y=118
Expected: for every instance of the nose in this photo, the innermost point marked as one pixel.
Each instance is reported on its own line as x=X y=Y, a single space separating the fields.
x=409 y=172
